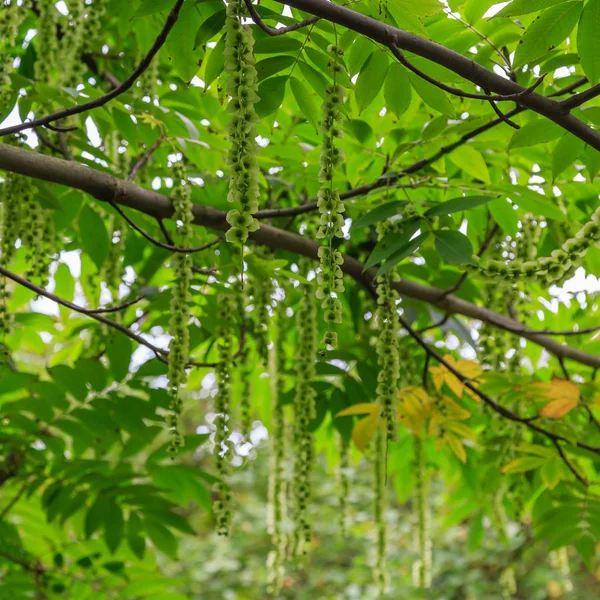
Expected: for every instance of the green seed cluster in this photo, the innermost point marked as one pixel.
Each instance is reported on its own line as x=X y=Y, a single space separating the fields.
x=71 y=46
x=277 y=505
x=343 y=483
x=245 y=373
x=148 y=83
x=46 y=41
x=45 y=250
x=379 y=463
x=11 y=17
x=221 y=505
x=422 y=567
x=14 y=190
x=508 y=583
x=261 y=289
x=548 y=269
x=330 y=278
x=94 y=24
x=387 y=350
x=112 y=269
x=304 y=411
x=241 y=86
x=180 y=302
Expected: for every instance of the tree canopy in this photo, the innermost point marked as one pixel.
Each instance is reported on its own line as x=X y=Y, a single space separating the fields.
x=304 y=286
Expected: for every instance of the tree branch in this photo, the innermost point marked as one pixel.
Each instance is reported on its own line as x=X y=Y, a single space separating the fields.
x=107 y=188
x=581 y=98
x=465 y=67
x=102 y=100
x=144 y=159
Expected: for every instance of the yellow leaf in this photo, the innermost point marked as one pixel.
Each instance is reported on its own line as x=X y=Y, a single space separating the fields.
x=454 y=411
x=559 y=408
x=456 y=447
x=364 y=431
x=363 y=408
x=524 y=463
x=558 y=389
x=440 y=374
x=462 y=430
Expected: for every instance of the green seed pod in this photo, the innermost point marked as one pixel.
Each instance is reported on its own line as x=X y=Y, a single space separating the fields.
x=508 y=582
x=47 y=245
x=277 y=505
x=343 y=483
x=222 y=503
x=304 y=411
x=422 y=567
x=180 y=302
x=93 y=25
x=387 y=351
x=242 y=87
x=380 y=474
x=46 y=41
x=331 y=208
x=11 y=17
x=549 y=269
x=71 y=45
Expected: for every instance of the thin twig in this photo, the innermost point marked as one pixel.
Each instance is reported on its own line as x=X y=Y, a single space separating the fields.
x=16 y=498
x=159 y=243
x=502 y=116
x=144 y=159
x=457 y=91
x=578 y=99
x=113 y=309
x=281 y=30
x=54 y=128
x=441 y=323
x=102 y=100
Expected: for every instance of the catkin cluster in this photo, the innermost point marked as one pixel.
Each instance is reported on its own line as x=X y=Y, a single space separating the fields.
x=72 y=44
x=11 y=17
x=387 y=350
x=46 y=41
x=343 y=483
x=422 y=567
x=222 y=502
x=180 y=302
x=241 y=86
x=304 y=411
x=330 y=278
x=277 y=505
x=380 y=467
x=548 y=269
x=93 y=24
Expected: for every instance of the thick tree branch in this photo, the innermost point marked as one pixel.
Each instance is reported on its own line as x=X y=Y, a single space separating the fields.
x=102 y=100
x=107 y=188
x=581 y=98
x=465 y=67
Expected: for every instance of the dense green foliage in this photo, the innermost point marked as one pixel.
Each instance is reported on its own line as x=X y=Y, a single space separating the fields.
x=317 y=375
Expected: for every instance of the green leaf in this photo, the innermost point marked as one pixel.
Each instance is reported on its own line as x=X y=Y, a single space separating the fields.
x=380 y=213
x=277 y=45
x=305 y=101
x=361 y=50
x=215 y=62
x=273 y=65
x=359 y=129
x=524 y=7
x=550 y=29
x=209 y=28
x=150 y=7
x=471 y=161
x=567 y=151
x=533 y=202
x=316 y=81
x=370 y=79
x=410 y=248
x=181 y=42
x=457 y=205
x=162 y=538
x=114 y=525
x=96 y=515
x=588 y=36
x=523 y=464
x=535 y=132
x=397 y=90
x=505 y=215
x=118 y=351
x=271 y=93
x=432 y=95
x=453 y=246
x=591 y=158
x=94 y=237
x=392 y=242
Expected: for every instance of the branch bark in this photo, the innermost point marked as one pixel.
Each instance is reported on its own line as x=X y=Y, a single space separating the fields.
x=106 y=188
